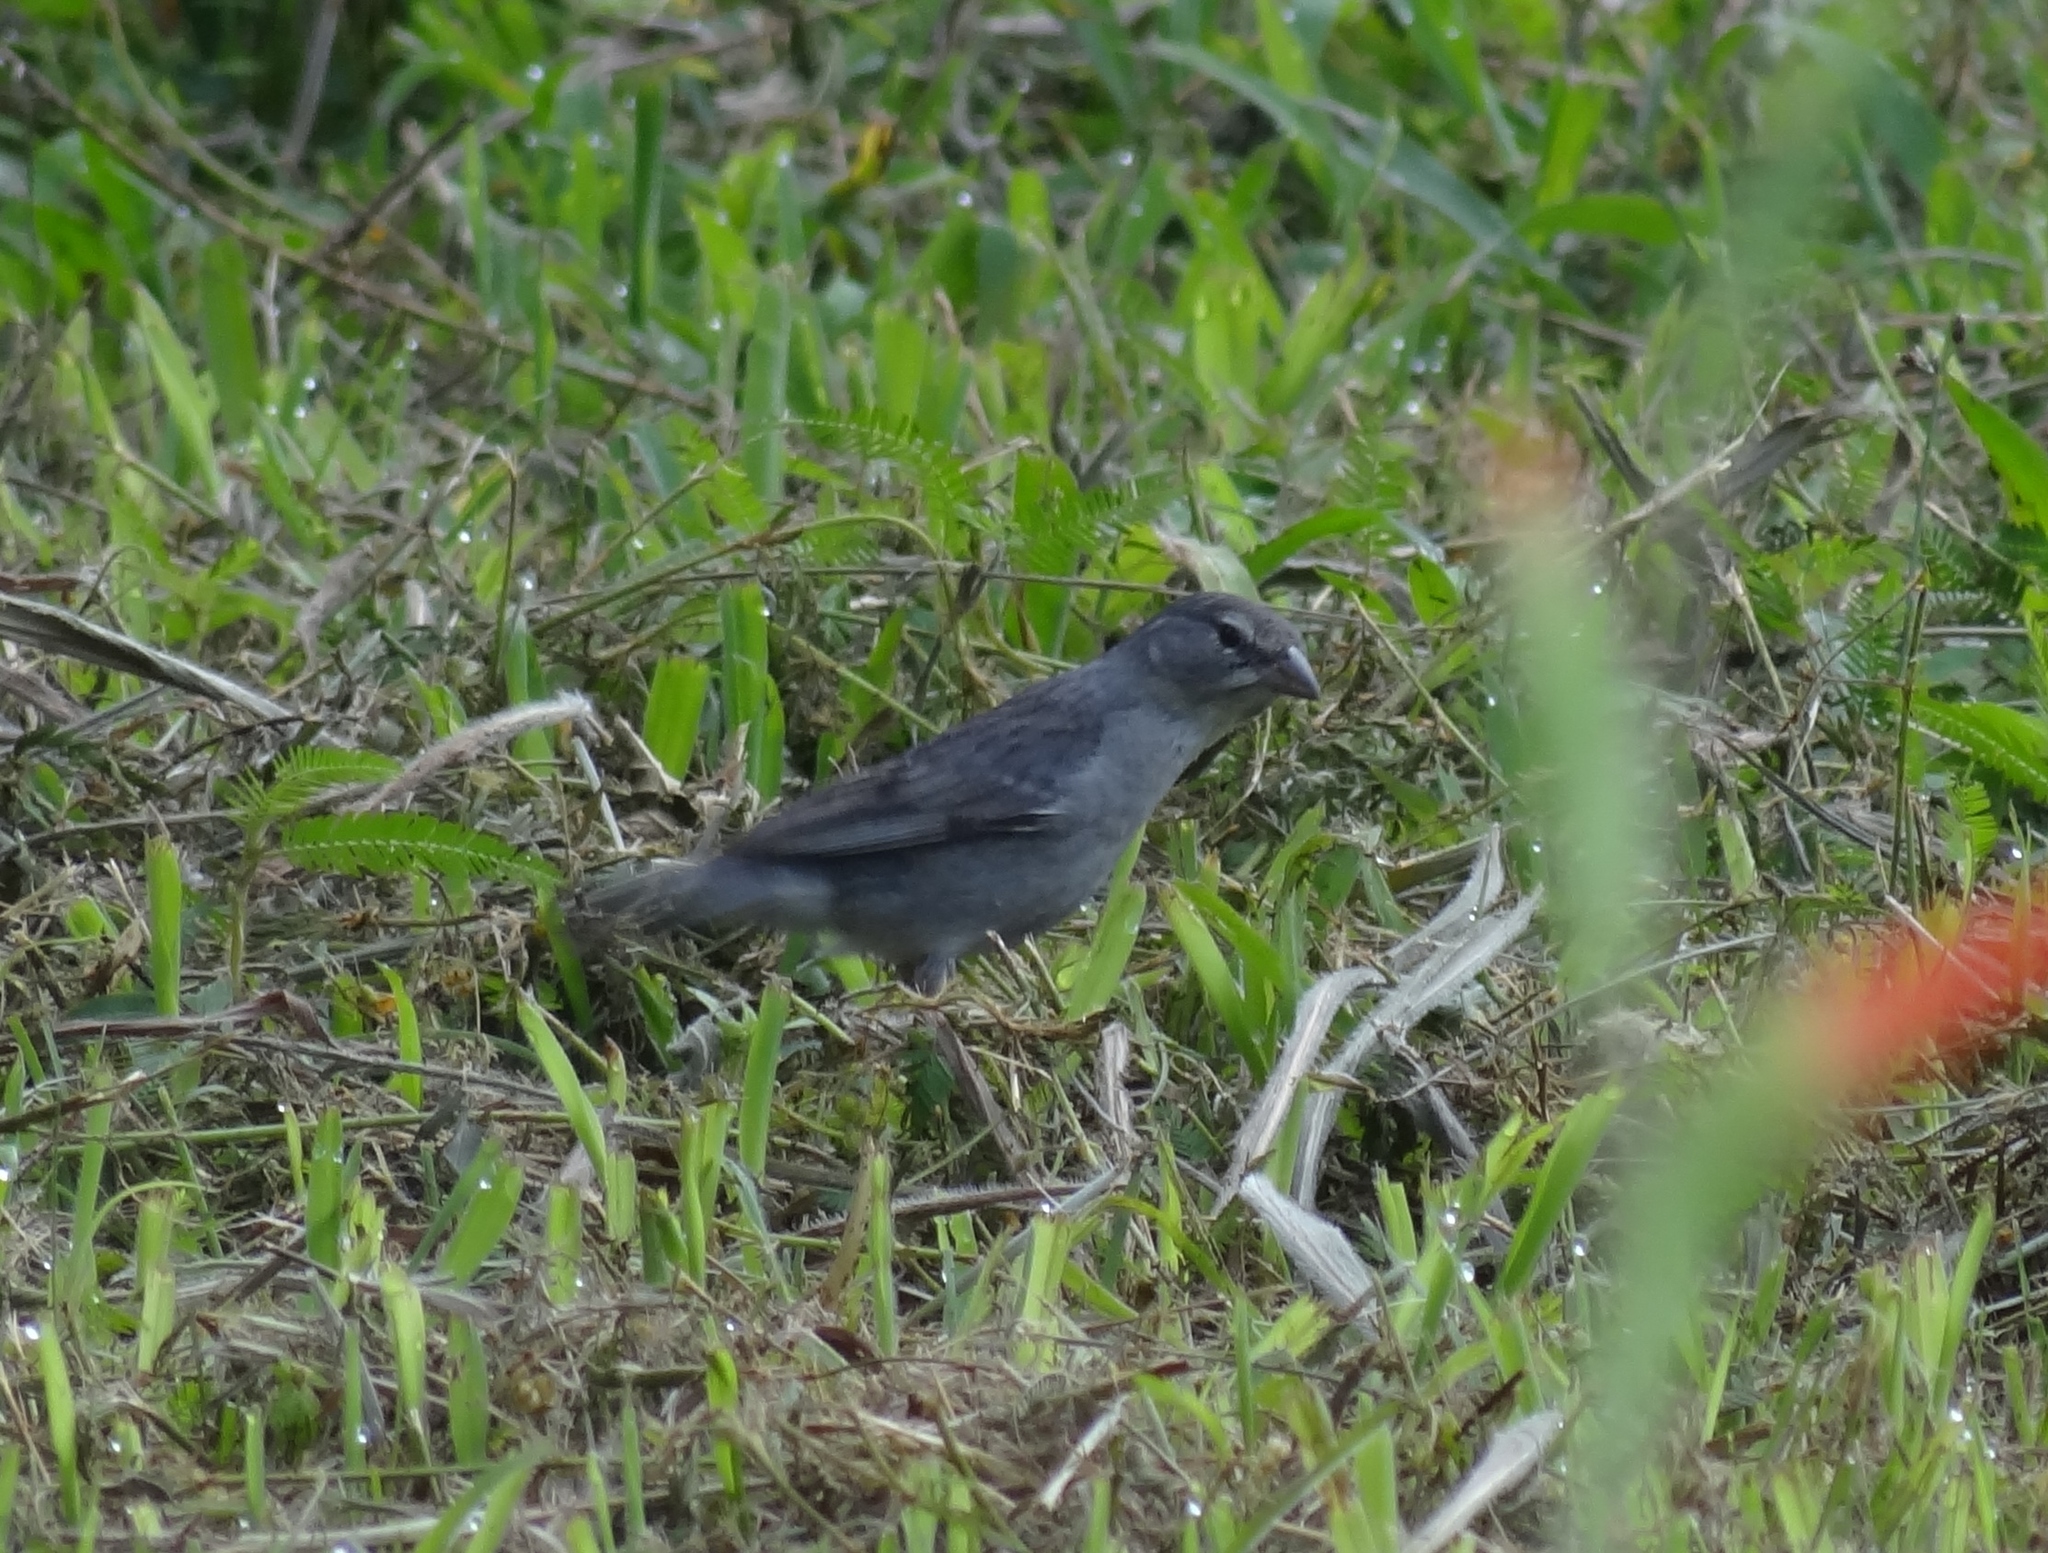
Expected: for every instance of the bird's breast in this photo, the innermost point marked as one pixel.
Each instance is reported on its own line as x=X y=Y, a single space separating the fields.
x=1140 y=756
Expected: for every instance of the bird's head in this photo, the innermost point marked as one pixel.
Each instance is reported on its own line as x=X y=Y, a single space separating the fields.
x=1223 y=656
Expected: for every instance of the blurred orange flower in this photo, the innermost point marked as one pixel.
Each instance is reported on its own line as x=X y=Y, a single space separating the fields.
x=1921 y=990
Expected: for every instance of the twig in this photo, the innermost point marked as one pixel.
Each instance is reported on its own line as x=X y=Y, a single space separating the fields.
x=466 y=742
x=312 y=82
x=345 y=236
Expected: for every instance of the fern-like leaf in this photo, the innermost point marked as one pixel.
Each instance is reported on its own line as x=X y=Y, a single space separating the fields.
x=2010 y=742
x=1972 y=808
x=1862 y=467
x=948 y=493
x=304 y=773
x=1072 y=524
x=300 y=775
x=402 y=843
x=1374 y=473
x=1131 y=502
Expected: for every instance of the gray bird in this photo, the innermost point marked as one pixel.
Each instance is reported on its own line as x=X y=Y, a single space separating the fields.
x=1000 y=826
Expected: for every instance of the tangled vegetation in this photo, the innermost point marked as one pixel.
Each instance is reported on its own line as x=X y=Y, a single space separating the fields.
x=450 y=447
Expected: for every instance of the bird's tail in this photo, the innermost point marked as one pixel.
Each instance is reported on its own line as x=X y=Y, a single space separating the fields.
x=718 y=892
x=660 y=898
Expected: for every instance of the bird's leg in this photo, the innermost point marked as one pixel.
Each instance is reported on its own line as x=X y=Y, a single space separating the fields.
x=930 y=975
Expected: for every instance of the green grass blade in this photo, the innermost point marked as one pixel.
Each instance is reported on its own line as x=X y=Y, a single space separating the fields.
x=764 y=402
x=675 y=707
x=1558 y=1178
x=554 y=1062
x=60 y=1415
x=491 y=1207
x=229 y=336
x=166 y=921
x=757 y=1097
x=180 y=388
x=650 y=119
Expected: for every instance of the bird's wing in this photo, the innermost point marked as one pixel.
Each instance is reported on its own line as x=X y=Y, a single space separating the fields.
x=1001 y=773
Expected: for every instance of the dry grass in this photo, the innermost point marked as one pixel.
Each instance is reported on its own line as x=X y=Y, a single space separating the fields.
x=668 y=440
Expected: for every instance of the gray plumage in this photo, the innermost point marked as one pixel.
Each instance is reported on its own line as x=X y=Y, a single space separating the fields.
x=1000 y=826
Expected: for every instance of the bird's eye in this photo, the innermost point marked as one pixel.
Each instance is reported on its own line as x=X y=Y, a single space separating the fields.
x=1233 y=633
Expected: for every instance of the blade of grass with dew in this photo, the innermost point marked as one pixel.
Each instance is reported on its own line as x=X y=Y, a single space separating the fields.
x=456 y=1200
x=230 y=339
x=657 y=1005
x=1577 y=1137
x=764 y=401
x=662 y=1249
x=409 y=1087
x=490 y=1208
x=358 y=1432
x=255 y=1483
x=75 y=1278
x=1116 y=934
x=502 y=1485
x=702 y=1145
x=650 y=118
x=10 y=1479
x=1219 y=988
x=564 y=1275
x=621 y=1196
x=2021 y=462
x=1038 y=1303
x=722 y=1395
x=675 y=710
x=406 y=1323
x=181 y=392
x=547 y=907
x=600 y=1505
x=882 y=1255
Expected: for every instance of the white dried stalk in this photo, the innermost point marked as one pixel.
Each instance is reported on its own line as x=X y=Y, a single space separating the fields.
x=1515 y=1452
x=1438 y=980
x=1474 y=899
x=472 y=739
x=1455 y=923
x=1317 y=1249
x=595 y=783
x=1091 y=1440
x=1313 y=1017
x=668 y=786
x=1112 y=1059
x=1111 y=1179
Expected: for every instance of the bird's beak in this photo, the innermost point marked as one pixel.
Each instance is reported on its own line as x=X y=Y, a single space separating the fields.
x=1292 y=676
